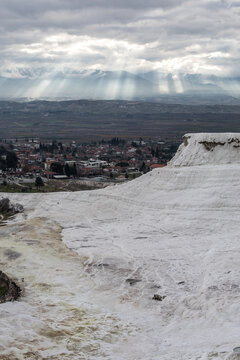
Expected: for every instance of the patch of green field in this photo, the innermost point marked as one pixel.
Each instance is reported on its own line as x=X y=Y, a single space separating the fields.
x=50 y=186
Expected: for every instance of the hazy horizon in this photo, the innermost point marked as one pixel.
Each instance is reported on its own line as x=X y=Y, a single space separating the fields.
x=108 y=50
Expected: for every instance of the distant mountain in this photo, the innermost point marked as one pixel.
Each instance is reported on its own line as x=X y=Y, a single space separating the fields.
x=151 y=86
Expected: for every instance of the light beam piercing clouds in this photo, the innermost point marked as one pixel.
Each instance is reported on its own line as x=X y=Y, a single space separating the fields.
x=169 y=36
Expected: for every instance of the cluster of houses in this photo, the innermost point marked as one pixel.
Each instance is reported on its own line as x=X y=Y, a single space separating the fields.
x=115 y=158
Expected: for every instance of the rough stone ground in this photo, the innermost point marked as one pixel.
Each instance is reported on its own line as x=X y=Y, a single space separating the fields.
x=50 y=321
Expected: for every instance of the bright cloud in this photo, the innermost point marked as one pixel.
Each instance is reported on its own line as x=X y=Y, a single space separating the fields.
x=170 y=36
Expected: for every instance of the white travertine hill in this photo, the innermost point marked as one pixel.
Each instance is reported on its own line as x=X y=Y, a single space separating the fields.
x=208 y=148
x=171 y=233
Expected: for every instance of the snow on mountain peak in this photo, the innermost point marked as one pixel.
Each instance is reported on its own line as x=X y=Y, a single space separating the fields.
x=208 y=148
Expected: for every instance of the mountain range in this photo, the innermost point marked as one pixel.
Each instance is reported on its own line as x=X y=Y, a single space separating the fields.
x=122 y=85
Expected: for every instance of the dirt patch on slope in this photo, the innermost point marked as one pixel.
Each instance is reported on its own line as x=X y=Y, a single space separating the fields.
x=52 y=320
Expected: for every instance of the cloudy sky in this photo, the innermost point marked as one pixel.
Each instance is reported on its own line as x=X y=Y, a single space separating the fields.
x=171 y=36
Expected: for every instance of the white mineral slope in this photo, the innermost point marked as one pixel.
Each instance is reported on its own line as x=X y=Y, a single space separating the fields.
x=204 y=148
x=176 y=231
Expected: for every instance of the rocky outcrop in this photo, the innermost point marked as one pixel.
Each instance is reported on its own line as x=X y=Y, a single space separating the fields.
x=210 y=145
x=158 y=297
x=9 y=291
x=8 y=209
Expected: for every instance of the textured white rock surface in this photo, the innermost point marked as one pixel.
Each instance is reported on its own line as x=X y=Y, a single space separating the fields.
x=208 y=148
x=175 y=230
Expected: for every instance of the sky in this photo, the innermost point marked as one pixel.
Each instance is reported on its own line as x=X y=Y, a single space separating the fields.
x=71 y=36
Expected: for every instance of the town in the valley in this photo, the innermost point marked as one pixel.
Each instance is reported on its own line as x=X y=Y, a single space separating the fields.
x=30 y=163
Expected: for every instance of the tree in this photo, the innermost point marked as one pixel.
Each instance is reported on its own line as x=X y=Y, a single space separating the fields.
x=116 y=141
x=57 y=167
x=67 y=170
x=144 y=168
x=122 y=164
x=8 y=159
x=74 y=170
x=39 y=182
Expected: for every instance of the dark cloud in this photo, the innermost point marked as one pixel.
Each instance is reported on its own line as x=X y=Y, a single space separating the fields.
x=164 y=35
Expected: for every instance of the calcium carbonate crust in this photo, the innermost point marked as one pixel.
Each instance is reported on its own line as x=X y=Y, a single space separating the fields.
x=208 y=148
